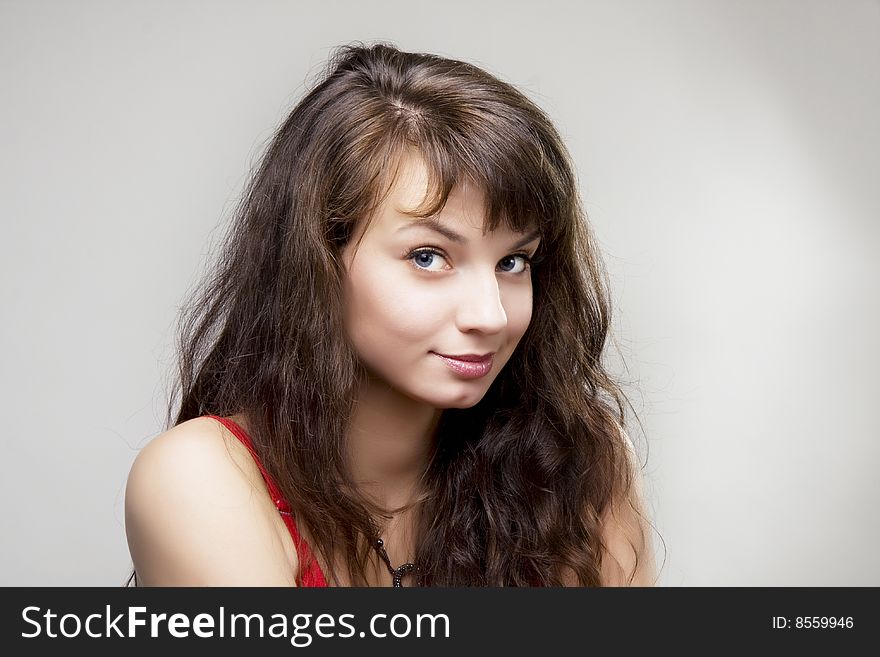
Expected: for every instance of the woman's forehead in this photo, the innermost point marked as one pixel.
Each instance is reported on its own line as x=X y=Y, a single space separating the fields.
x=465 y=210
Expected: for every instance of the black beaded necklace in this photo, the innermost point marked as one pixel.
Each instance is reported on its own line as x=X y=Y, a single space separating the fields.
x=397 y=574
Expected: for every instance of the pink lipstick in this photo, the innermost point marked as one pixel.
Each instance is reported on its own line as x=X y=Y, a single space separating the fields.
x=469 y=366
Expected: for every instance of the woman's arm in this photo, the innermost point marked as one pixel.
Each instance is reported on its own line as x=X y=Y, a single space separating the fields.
x=198 y=514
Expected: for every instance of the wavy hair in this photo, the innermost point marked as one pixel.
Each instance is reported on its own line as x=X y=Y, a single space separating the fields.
x=516 y=486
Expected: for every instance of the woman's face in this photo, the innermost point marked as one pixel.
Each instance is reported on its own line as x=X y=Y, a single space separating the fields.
x=434 y=307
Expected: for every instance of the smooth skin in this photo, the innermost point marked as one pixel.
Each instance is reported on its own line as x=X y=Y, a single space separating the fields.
x=197 y=513
x=197 y=510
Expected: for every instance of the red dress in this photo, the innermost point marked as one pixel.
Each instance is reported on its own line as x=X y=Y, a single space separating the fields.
x=313 y=576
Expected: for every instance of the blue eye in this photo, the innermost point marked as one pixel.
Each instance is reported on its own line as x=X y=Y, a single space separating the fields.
x=512 y=259
x=432 y=260
x=424 y=259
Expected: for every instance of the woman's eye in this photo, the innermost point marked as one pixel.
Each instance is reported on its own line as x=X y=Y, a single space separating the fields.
x=514 y=264
x=427 y=259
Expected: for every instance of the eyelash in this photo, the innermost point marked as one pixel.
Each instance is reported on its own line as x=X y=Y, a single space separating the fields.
x=412 y=255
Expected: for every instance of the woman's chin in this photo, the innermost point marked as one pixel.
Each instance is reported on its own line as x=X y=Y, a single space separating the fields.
x=462 y=400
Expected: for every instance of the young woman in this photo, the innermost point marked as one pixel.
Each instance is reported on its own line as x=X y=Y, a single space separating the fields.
x=394 y=376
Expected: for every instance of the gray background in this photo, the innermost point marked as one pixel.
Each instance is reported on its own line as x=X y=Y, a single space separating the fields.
x=728 y=154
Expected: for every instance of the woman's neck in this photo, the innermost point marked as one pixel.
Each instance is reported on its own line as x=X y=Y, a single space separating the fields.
x=390 y=441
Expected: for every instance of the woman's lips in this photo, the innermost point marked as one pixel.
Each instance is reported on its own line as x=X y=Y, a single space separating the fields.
x=469 y=366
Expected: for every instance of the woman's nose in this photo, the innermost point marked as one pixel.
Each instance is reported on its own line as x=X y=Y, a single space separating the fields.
x=479 y=305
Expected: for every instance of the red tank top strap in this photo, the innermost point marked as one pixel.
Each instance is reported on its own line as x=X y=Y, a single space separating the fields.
x=312 y=576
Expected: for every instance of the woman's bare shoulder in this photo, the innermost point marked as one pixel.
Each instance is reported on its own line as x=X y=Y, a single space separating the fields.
x=626 y=533
x=197 y=513
x=201 y=442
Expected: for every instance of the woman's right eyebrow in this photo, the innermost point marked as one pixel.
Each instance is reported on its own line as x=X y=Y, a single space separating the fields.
x=435 y=225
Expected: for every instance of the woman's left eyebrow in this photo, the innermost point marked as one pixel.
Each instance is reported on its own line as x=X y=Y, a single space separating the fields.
x=535 y=234
x=452 y=236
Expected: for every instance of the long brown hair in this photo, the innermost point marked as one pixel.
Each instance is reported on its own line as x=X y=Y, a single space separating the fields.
x=516 y=486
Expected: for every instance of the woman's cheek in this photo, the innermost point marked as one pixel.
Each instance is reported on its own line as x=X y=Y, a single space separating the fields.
x=415 y=310
x=517 y=302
